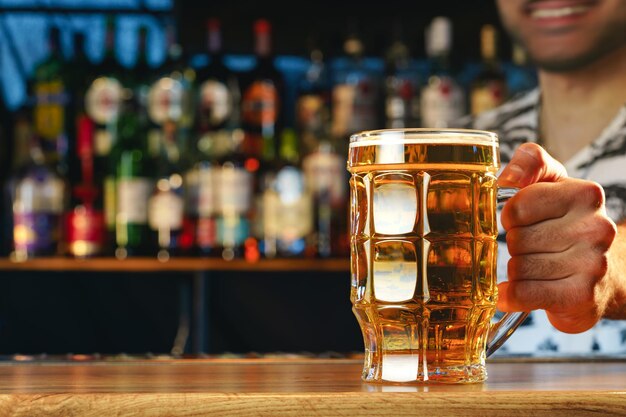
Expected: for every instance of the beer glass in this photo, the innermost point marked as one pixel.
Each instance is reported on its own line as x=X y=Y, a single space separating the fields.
x=423 y=253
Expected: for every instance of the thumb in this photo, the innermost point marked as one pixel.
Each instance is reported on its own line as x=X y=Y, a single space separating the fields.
x=530 y=164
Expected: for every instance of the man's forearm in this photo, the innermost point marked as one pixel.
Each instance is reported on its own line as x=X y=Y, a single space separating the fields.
x=616 y=308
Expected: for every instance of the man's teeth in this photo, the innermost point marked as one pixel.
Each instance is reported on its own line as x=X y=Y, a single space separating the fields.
x=560 y=12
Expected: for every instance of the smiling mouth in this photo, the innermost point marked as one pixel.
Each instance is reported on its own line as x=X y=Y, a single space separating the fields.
x=553 y=9
x=558 y=12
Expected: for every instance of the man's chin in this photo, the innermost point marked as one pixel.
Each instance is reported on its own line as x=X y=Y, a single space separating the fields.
x=571 y=63
x=564 y=64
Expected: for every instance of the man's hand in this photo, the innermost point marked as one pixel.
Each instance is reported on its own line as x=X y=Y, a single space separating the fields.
x=558 y=236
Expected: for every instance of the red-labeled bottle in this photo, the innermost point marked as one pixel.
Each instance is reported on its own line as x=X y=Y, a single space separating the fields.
x=85 y=228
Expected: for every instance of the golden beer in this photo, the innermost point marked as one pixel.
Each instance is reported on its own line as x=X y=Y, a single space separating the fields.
x=423 y=252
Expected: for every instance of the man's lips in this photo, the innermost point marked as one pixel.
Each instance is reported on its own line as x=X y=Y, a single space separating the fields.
x=556 y=9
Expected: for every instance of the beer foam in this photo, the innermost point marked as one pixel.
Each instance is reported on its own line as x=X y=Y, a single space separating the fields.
x=423 y=136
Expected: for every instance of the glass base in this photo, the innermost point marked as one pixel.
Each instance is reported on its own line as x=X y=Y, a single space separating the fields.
x=407 y=369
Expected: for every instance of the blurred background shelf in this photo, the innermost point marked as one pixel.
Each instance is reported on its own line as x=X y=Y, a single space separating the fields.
x=57 y=264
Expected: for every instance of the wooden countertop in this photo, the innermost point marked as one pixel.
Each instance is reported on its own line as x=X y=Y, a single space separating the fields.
x=301 y=387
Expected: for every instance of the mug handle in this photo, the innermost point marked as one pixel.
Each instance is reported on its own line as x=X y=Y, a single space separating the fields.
x=500 y=331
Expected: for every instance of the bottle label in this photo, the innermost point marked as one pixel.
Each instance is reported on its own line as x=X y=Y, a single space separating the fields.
x=343 y=97
x=232 y=230
x=165 y=211
x=311 y=112
x=40 y=196
x=50 y=109
x=442 y=103
x=165 y=100
x=354 y=107
x=35 y=231
x=395 y=108
x=132 y=200
x=103 y=99
x=206 y=233
x=235 y=190
x=271 y=214
x=103 y=142
x=85 y=231
x=487 y=97
x=296 y=206
x=208 y=191
x=215 y=103
x=324 y=172
x=402 y=102
x=110 y=202
x=288 y=209
x=260 y=104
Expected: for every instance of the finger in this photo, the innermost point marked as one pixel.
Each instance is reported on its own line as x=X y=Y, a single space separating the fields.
x=531 y=164
x=544 y=201
x=592 y=232
x=550 y=236
x=527 y=295
x=542 y=266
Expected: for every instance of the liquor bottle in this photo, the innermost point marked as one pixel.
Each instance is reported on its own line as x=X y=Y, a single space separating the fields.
x=402 y=86
x=522 y=76
x=442 y=98
x=38 y=200
x=160 y=96
x=235 y=203
x=323 y=165
x=313 y=102
x=102 y=105
x=356 y=92
x=133 y=180
x=166 y=204
x=262 y=117
x=85 y=222
x=80 y=75
x=488 y=89
x=287 y=204
x=50 y=102
x=217 y=131
x=177 y=68
x=263 y=95
x=326 y=181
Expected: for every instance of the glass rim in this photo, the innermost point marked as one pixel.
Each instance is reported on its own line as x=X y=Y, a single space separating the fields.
x=423 y=135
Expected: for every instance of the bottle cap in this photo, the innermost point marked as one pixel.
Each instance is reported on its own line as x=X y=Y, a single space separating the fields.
x=262 y=26
x=213 y=24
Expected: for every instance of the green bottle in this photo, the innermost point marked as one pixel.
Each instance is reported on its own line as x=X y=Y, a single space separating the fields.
x=102 y=101
x=133 y=181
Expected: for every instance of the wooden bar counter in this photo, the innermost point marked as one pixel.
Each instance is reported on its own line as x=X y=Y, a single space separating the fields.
x=301 y=387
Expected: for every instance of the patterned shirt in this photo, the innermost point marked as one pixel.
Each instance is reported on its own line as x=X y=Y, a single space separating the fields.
x=602 y=161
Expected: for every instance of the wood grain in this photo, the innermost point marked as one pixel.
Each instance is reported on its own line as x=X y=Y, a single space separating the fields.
x=174 y=265
x=301 y=387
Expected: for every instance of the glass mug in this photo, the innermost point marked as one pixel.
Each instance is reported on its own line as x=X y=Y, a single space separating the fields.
x=423 y=253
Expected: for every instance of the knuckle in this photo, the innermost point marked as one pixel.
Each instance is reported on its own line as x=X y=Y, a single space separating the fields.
x=592 y=194
x=601 y=233
x=511 y=269
x=600 y=267
x=513 y=240
x=516 y=212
